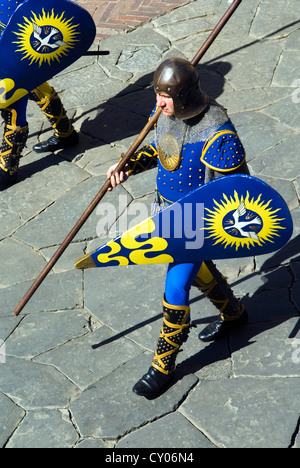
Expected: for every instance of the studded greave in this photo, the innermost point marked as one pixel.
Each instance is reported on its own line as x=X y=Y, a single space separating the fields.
x=14 y=141
x=229 y=306
x=50 y=103
x=173 y=334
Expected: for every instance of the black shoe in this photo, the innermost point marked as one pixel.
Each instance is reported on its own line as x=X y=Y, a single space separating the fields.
x=152 y=384
x=220 y=328
x=55 y=143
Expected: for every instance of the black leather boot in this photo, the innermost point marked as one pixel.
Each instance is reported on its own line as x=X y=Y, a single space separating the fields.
x=56 y=143
x=153 y=383
x=221 y=327
x=14 y=141
x=49 y=102
x=174 y=333
x=232 y=312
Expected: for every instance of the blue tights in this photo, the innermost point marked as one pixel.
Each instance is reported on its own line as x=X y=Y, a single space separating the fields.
x=179 y=280
x=21 y=108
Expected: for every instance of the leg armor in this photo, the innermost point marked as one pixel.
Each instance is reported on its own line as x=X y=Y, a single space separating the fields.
x=232 y=312
x=64 y=134
x=14 y=140
x=174 y=333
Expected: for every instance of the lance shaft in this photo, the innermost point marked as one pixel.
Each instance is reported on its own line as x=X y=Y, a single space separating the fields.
x=134 y=147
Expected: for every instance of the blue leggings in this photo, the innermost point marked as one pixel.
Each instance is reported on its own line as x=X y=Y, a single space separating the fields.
x=179 y=280
x=180 y=276
x=21 y=108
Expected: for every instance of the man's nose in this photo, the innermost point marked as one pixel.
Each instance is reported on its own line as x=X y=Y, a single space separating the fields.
x=160 y=101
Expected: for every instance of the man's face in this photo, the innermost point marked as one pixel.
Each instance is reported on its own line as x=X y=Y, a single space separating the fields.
x=166 y=103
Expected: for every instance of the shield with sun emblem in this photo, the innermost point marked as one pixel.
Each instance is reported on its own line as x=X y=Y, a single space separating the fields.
x=41 y=39
x=230 y=217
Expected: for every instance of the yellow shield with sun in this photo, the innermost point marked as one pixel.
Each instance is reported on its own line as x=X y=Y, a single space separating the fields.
x=46 y=38
x=230 y=217
x=242 y=222
x=40 y=40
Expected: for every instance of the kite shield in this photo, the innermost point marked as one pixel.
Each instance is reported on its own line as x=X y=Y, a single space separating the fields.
x=230 y=217
x=41 y=39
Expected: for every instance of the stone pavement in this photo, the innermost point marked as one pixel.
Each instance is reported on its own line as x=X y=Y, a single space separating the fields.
x=69 y=361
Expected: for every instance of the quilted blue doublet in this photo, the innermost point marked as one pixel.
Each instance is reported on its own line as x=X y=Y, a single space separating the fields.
x=223 y=153
x=173 y=185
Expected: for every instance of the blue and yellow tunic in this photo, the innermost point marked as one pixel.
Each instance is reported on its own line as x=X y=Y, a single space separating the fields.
x=208 y=147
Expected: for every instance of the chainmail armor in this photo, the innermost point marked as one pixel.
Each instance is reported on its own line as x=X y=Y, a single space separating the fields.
x=200 y=128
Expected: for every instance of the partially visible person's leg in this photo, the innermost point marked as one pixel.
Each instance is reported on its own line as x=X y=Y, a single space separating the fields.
x=64 y=134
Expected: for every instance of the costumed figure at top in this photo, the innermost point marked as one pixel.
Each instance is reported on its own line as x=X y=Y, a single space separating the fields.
x=195 y=143
x=16 y=126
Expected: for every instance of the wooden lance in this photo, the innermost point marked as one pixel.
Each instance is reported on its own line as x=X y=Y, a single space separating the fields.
x=133 y=148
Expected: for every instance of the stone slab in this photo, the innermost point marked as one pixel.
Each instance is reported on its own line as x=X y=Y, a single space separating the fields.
x=98 y=160
x=260 y=133
x=57 y=292
x=54 y=429
x=270 y=305
x=248 y=65
x=56 y=222
x=265 y=350
x=286 y=189
x=90 y=443
x=7 y=326
x=288 y=253
x=145 y=38
x=66 y=261
x=21 y=203
x=286 y=111
x=104 y=414
x=34 y=385
x=178 y=434
x=280 y=21
x=258 y=282
x=11 y=416
x=139 y=307
x=41 y=332
x=293 y=41
x=251 y=413
x=19 y=262
x=87 y=359
x=284 y=154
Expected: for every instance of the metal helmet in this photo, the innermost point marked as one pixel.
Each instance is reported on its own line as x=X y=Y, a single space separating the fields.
x=179 y=79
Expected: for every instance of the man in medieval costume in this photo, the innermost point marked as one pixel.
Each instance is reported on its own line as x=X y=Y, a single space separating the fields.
x=195 y=143
x=15 y=122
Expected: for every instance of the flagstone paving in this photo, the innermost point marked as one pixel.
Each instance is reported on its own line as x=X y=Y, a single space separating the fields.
x=69 y=360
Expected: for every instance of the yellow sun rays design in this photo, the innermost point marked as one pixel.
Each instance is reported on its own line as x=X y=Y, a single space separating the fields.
x=64 y=27
x=270 y=222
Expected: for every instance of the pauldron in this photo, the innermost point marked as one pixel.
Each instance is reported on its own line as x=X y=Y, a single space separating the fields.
x=224 y=152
